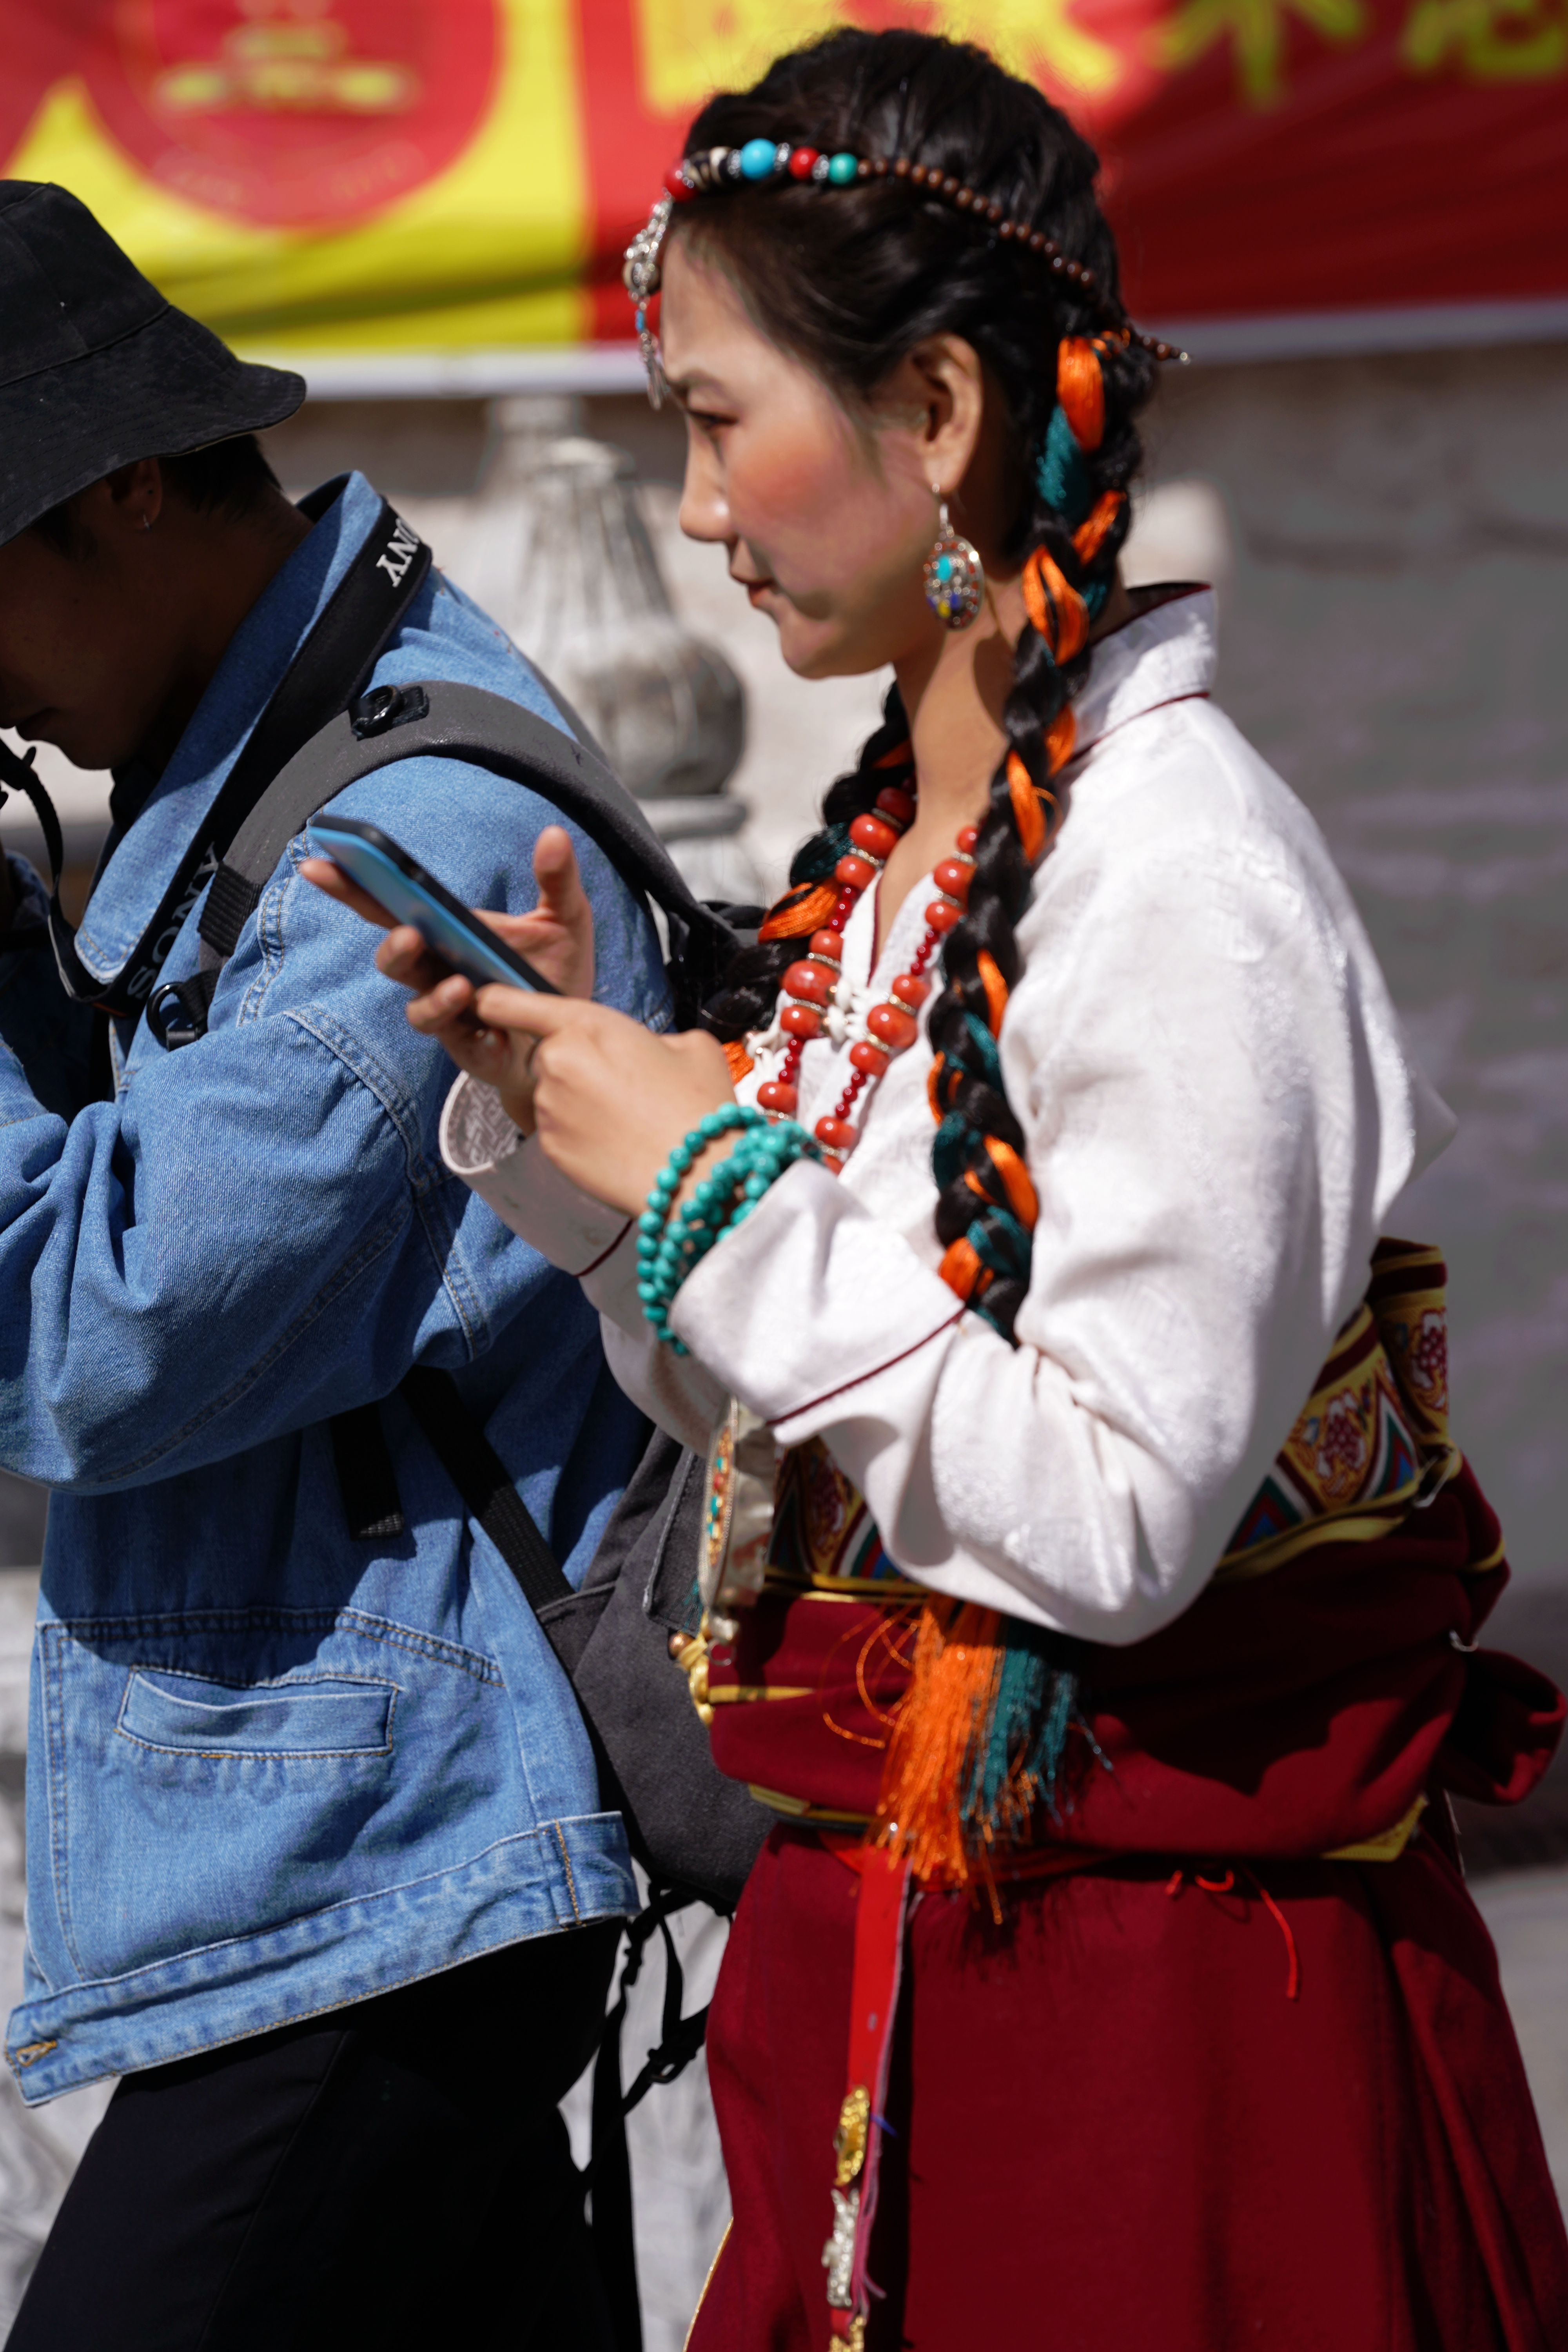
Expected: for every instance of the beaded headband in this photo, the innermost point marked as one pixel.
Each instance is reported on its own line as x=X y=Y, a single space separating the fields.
x=762 y=161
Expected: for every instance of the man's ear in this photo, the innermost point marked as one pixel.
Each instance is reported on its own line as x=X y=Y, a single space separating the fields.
x=129 y=499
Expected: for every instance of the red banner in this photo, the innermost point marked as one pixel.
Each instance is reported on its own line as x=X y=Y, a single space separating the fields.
x=365 y=176
x=1260 y=155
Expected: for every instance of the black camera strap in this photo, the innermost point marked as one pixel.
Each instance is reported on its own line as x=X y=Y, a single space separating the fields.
x=329 y=671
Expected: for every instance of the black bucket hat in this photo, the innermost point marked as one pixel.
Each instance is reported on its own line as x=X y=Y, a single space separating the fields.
x=96 y=368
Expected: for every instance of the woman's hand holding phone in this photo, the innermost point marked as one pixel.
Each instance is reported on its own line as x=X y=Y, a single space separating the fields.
x=557 y=938
x=609 y=1101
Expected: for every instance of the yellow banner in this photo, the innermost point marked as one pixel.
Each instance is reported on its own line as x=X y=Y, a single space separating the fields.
x=330 y=175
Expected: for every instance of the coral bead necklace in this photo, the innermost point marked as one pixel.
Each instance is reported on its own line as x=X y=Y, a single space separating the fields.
x=893 y=1025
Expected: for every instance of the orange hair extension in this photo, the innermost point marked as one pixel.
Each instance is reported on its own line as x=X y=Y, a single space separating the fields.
x=1080 y=388
x=1090 y=535
x=1054 y=605
x=1061 y=738
x=740 y=1061
x=1015 y=1184
x=1028 y=815
x=962 y=1271
x=794 y=917
x=995 y=989
x=1022 y=1198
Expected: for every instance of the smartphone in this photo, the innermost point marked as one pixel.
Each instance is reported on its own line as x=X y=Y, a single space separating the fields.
x=400 y=884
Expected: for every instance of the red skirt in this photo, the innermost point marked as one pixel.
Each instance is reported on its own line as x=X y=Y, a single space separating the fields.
x=1110 y=2131
x=1137 y=2116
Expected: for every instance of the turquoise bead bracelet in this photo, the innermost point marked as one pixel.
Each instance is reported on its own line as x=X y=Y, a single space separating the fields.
x=658 y=1252
x=669 y=1247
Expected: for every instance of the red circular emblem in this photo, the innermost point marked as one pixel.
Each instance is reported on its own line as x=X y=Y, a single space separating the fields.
x=293 y=113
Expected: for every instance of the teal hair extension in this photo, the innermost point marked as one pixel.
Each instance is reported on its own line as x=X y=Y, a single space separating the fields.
x=1061 y=474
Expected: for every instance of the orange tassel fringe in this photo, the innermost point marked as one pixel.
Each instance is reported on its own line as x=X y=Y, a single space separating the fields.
x=945 y=1716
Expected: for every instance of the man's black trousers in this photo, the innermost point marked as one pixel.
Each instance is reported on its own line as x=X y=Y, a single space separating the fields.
x=393 y=2174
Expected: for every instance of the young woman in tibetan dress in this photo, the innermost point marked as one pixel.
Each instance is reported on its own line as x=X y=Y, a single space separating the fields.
x=1109 y=1980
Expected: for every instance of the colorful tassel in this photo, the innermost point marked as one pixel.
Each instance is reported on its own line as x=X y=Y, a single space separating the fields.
x=981 y=1735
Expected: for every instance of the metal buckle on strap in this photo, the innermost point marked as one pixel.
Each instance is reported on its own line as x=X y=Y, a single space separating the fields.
x=177 y=1012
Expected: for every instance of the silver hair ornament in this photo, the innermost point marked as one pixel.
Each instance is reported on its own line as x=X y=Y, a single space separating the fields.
x=640 y=275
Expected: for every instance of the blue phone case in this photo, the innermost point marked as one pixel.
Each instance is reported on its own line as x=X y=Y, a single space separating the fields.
x=397 y=882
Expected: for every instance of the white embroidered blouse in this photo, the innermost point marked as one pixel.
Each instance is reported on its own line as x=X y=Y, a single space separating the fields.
x=1219 y=1112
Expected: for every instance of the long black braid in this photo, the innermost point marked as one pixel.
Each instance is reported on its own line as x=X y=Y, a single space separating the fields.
x=850 y=283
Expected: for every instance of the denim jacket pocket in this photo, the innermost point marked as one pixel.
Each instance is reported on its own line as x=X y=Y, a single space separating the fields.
x=321 y=1716
x=223 y=1775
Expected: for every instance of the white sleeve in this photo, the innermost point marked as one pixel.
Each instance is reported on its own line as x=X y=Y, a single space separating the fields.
x=1217 y=1114
x=511 y=1175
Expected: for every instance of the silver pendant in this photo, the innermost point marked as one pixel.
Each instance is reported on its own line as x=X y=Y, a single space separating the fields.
x=954 y=577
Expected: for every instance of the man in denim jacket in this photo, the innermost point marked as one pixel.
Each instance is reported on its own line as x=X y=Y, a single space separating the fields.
x=316 y=1856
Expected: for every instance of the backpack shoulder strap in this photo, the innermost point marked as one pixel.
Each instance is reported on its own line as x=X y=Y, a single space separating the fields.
x=439 y=719
x=490 y=1499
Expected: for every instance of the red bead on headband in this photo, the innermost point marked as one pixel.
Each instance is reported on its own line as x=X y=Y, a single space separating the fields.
x=762 y=163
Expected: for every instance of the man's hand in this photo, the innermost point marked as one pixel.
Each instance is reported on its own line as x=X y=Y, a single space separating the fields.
x=557 y=939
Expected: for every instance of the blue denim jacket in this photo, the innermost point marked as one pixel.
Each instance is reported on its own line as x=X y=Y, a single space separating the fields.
x=273 y=1768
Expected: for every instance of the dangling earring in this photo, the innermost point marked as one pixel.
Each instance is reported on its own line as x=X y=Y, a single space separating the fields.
x=954 y=577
